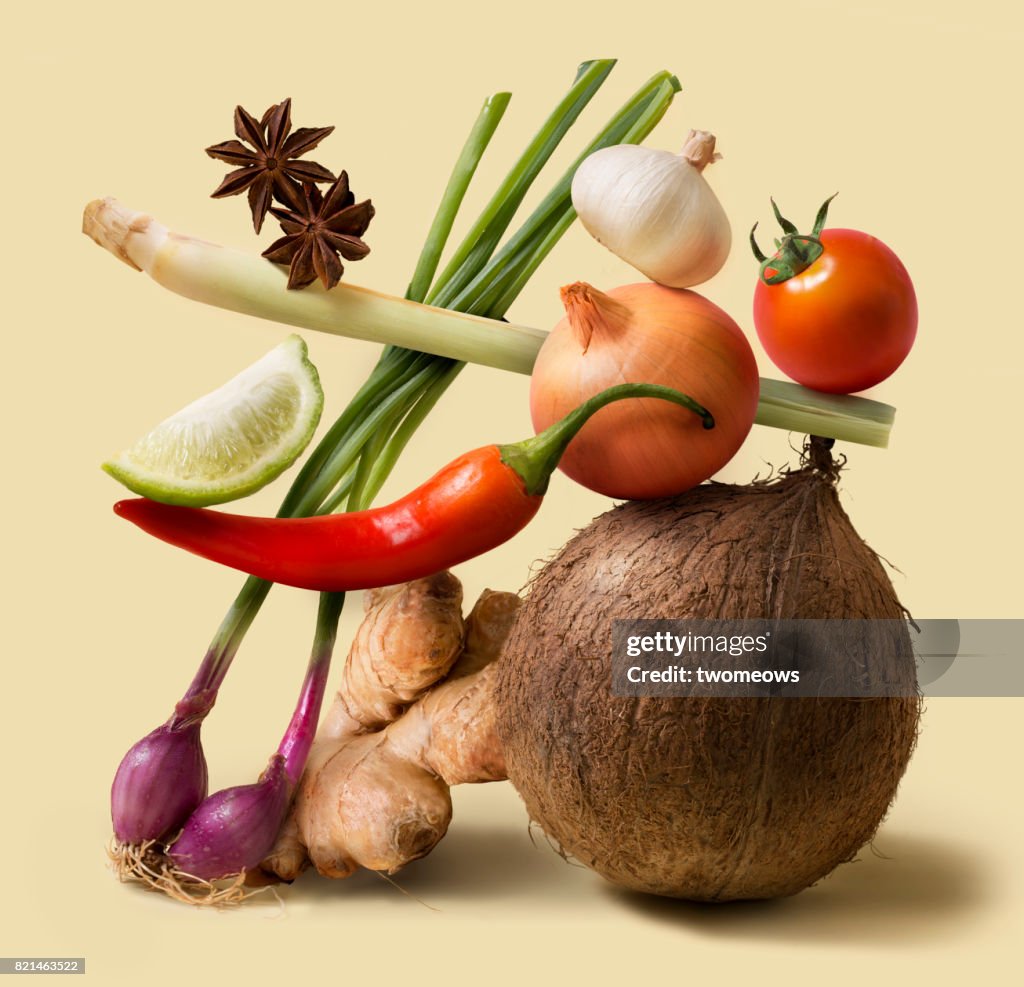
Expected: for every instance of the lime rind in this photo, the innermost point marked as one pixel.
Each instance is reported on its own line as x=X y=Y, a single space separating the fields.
x=234 y=440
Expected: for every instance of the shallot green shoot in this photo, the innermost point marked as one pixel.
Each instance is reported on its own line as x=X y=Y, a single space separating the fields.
x=231 y=831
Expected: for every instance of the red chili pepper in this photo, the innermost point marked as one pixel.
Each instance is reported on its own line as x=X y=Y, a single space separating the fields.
x=472 y=505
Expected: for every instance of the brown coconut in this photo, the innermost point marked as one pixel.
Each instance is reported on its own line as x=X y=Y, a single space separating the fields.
x=710 y=799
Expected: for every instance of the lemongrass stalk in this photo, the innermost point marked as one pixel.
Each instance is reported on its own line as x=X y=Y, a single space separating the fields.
x=252 y=285
x=837 y=416
x=247 y=283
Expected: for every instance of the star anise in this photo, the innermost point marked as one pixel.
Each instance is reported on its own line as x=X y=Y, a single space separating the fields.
x=321 y=228
x=270 y=169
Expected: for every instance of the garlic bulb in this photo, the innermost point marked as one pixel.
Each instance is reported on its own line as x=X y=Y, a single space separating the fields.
x=655 y=210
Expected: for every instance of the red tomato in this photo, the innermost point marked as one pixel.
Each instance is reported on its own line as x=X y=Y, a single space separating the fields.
x=844 y=323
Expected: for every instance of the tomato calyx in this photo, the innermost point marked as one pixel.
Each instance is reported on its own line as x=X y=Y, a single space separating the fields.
x=795 y=252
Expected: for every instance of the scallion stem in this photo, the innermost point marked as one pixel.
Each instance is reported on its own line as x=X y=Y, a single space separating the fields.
x=480 y=242
x=228 y=639
x=391 y=369
x=633 y=122
x=231 y=831
x=384 y=462
x=345 y=454
x=556 y=214
x=465 y=167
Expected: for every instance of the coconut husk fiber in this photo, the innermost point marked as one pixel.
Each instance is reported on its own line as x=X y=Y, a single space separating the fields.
x=709 y=799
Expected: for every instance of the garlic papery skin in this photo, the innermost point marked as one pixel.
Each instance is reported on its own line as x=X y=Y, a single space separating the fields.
x=655 y=209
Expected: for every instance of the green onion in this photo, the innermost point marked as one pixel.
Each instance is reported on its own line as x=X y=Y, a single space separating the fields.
x=465 y=167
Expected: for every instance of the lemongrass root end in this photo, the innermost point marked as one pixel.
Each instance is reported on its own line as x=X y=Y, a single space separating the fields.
x=112 y=226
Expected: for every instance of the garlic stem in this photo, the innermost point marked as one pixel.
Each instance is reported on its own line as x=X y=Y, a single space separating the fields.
x=699 y=149
x=249 y=284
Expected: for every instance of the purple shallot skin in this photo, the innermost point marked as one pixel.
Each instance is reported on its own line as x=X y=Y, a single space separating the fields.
x=163 y=777
x=234 y=829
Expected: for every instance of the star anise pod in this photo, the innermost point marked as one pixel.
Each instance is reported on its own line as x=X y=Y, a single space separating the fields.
x=322 y=227
x=270 y=170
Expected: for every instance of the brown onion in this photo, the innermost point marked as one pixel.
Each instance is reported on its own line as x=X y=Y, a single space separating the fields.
x=653 y=334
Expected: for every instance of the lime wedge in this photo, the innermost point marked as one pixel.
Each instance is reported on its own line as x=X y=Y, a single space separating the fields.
x=232 y=441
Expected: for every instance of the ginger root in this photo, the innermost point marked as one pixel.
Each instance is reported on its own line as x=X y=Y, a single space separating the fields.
x=410 y=636
x=412 y=717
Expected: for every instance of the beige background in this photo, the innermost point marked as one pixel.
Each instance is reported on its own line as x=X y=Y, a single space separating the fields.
x=911 y=109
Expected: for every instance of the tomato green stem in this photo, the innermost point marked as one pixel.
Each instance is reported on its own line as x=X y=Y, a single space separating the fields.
x=787 y=226
x=822 y=215
x=795 y=252
x=759 y=254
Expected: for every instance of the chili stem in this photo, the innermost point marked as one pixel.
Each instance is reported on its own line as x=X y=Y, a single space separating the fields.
x=537 y=458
